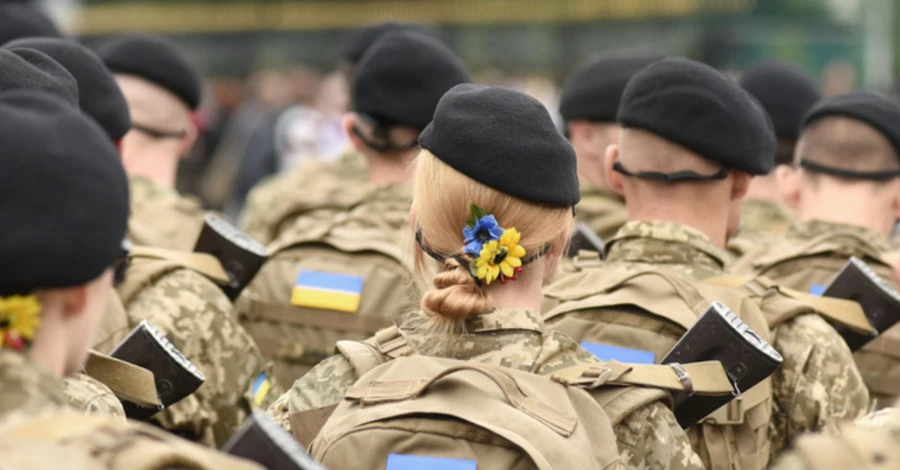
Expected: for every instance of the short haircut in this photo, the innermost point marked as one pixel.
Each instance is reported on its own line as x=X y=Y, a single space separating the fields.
x=846 y=143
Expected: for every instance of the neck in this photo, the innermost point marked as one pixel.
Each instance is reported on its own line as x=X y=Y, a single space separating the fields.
x=48 y=348
x=764 y=189
x=526 y=292
x=390 y=169
x=713 y=224
x=850 y=207
x=590 y=170
x=159 y=169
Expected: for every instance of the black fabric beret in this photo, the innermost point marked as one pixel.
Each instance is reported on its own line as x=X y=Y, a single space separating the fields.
x=876 y=110
x=155 y=59
x=785 y=92
x=98 y=94
x=402 y=78
x=701 y=109
x=361 y=41
x=22 y=20
x=63 y=195
x=505 y=140
x=28 y=69
x=594 y=89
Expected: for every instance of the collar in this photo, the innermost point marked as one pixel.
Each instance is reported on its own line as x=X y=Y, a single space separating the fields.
x=664 y=243
x=502 y=319
x=814 y=228
x=30 y=385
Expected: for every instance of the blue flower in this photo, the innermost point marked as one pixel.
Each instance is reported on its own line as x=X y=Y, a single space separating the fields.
x=485 y=230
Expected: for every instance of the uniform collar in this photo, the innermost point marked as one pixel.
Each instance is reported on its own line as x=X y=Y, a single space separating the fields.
x=664 y=243
x=814 y=228
x=30 y=386
x=502 y=319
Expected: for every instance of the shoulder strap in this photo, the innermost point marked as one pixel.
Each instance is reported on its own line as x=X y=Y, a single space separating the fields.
x=203 y=263
x=127 y=381
x=844 y=312
x=702 y=378
x=813 y=247
x=388 y=343
x=142 y=274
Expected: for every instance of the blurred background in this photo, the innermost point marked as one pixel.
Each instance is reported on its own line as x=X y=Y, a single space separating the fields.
x=273 y=67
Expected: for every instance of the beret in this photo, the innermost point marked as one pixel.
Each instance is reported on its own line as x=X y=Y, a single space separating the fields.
x=64 y=199
x=785 y=92
x=361 y=41
x=505 y=140
x=594 y=89
x=402 y=78
x=98 y=94
x=28 y=69
x=876 y=110
x=156 y=60
x=701 y=109
x=21 y=20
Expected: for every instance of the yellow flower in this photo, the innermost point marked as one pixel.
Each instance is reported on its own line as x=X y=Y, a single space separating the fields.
x=20 y=315
x=500 y=258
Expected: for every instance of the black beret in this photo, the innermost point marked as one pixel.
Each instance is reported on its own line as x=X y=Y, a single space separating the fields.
x=785 y=92
x=361 y=41
x=876 y=110
x=155 y=59
x=22 y=20
x=402 y=78
x=594 y=89
x=63 y=195
x=98 y=94
x=701 y=109
x=505 y=140
x=28 y=69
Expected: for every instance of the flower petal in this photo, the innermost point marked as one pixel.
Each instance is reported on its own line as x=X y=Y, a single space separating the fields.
x=506 y=268
x=517 y=251
x=513 y=261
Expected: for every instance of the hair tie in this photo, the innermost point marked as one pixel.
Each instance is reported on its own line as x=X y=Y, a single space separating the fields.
x=19 y=319
x=491 y=252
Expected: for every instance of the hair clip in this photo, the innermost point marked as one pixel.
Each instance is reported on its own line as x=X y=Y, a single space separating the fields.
x=19 y=319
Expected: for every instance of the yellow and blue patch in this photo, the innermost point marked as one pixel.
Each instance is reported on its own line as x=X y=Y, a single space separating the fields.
x=261 y=388
x=329 y=291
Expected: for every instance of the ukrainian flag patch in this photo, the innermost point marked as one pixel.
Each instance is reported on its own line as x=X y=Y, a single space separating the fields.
x=329 y=291
x=261 y=388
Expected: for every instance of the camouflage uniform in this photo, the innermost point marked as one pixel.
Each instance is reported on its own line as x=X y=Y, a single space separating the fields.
x=648 y=438
x=199 y=320
x=602 y=210
x=316 y=190
x=89 y=395
x=27 y=388
x=760 y=220
x=812 y=253
x=816 y=387
x=163 y=218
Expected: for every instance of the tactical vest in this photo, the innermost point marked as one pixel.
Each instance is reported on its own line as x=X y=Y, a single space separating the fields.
x=324 y=284
x=649 y=311
x=495 y=416
x=113 y=444
x=811 y=266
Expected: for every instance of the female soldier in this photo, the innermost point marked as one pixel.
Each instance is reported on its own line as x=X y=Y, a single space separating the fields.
x=495 y=187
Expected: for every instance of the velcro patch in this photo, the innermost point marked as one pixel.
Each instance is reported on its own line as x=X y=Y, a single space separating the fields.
x=329 y=291
x=261 y=387
x=817 y=289
x=607 y=353
x=416 y=462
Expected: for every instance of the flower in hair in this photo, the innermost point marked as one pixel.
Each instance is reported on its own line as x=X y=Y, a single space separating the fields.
x=500 y=259
x=480 y=229
x=19 y=319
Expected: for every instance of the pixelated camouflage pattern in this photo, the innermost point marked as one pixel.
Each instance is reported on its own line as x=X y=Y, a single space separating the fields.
x=27 y=388
x=114 y=326
x=888 y=418
x=163 y=218
x=197 y=317
x=602 y=210
x=765 y=219
x=641 y=245
x=316 y=190
x=513 y=338
x=88 y=395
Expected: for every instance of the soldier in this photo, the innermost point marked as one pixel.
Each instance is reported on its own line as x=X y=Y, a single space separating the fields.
x=786 y=93
x=398 y=85
x=162 y=90
x=494 y=189
x=589 y=103
x=846 y=193
x=681 y=184
x=66 y=207
x=318 y=188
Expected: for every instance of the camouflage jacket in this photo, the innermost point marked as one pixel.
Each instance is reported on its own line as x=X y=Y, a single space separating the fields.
x=603 y=211
x=91 y=396
x=163 y=218
x=818 y=385
x=27 y=388
x=648 y=438
x=316 y=190
x=199 y=320
x=760 y=221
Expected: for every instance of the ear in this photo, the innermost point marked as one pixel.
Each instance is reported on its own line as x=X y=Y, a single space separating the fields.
x=790 y=182
x=741 y=184
x=187 y=142
x=74 y=300
x=895 y=203
x=613 y=176
x=347 y=122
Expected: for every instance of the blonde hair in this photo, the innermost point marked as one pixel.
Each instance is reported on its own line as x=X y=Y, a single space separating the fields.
x=441 y=202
